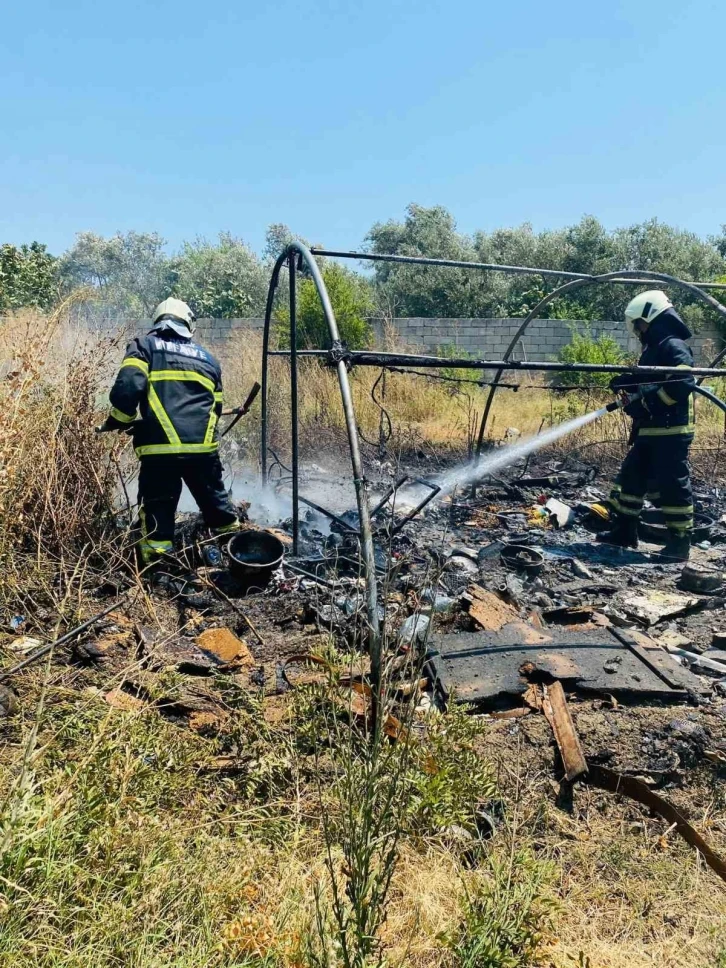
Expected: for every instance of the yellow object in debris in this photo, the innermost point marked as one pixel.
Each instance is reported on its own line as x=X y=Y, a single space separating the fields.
x=538 y=517
x=600 y=510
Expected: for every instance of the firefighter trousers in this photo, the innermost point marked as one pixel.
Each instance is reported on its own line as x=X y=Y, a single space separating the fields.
x=160 y=487
x=657 y=468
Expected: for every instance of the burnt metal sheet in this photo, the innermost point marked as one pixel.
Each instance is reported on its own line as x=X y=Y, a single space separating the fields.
x=489 y=669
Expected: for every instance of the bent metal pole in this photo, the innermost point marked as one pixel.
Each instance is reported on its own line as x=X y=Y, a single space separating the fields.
x=277 y=268
x=294 y=408
x=361 y=486
x=622 y=276
x=371 y=358
x=419 y=260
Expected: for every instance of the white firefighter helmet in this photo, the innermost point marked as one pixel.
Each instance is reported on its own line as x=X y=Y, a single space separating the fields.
x=179 y=313
x=646 y=306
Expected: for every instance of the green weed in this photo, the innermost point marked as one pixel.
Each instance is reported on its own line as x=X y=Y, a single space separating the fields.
x=506 y=915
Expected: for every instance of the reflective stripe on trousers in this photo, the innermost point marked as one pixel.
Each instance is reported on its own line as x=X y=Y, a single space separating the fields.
x=661 y=461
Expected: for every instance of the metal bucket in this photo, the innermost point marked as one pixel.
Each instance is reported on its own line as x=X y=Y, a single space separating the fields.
x=519 y=556
x=253 y=556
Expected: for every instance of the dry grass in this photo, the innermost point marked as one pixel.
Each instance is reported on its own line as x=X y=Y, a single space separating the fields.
x=58 y=479
x=132 y=848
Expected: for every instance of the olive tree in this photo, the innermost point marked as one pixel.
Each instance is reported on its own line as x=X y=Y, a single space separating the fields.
x=28 y=277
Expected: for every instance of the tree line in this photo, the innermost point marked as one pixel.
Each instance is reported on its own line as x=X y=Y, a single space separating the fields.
x=130 y=272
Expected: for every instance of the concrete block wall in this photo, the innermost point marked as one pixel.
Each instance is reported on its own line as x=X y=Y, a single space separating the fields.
x=483 y=338
x=490 y=338
x=543 y=340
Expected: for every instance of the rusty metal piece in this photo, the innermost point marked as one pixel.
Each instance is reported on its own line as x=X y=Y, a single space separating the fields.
x=557 y=713
x=630 y=786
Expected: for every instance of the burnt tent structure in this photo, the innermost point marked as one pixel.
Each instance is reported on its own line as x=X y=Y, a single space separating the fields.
x=297 y=257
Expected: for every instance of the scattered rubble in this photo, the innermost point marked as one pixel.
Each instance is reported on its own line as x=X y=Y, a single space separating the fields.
x=226 y=647
x=486 y=609
x=561 y=515
x=512 y=611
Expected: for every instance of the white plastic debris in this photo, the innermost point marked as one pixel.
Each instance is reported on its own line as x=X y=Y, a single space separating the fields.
x=414 y=629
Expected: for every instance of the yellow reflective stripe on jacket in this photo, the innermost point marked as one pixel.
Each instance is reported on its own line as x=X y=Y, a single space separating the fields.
x=218 y=394
x=158 y=375
x=133 y=361
x=163 y=417
x=212 y=423
x=666 y=431
x=667 y=400
x=121 y=416
x=147 y=450
x=686 y=509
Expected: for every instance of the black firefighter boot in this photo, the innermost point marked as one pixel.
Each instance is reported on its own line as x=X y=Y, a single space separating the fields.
x=677 y=546
x=623 y=532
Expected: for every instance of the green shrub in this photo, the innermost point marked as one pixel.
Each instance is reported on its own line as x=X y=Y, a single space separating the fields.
x=584 y=348
x=351 y=299
x=452 y=778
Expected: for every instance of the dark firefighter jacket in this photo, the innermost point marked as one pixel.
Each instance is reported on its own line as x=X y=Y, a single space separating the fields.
x=177 y=387
x=666 y=407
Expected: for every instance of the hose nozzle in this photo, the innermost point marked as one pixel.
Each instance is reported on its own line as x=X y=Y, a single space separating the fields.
x=626 y=398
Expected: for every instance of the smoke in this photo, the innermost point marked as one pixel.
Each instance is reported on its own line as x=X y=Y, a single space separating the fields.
x=267 y=506
x=270 y=506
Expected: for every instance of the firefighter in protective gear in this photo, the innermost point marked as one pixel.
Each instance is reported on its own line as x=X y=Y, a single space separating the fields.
x=656 y=466
x=176 y=386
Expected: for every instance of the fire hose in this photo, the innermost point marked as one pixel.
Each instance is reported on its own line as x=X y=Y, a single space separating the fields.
x=627 y=398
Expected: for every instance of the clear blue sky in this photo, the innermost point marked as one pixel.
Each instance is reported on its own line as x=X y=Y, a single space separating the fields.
x=187 y=118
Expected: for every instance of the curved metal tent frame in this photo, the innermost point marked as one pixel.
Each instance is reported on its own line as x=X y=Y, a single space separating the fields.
x=338 y=356
x=294 y=253
x=625 y=276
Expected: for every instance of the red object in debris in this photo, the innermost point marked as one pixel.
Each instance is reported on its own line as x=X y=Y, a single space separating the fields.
x=542 y=499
